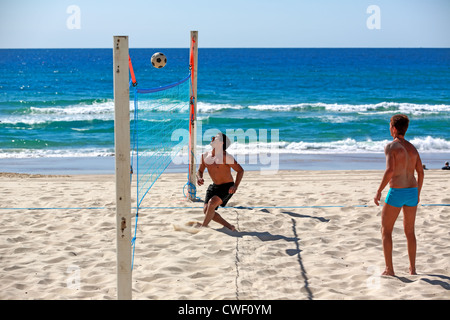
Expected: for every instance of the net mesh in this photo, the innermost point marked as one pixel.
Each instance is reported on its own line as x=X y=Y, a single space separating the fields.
x=160 y=131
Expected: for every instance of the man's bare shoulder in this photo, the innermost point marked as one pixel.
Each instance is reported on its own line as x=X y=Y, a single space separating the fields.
x=404 y=145
x=206 y=157
x=410 y=146
x=388 y=148
x=229 y=158
x=395 y=146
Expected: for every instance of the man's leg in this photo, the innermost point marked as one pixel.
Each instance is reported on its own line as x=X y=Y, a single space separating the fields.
x=389 y=215
x=210 y=209
x=409 y=220
x=217 y=217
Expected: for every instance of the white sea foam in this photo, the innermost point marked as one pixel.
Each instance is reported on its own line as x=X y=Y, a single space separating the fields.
x=204 y=107
x=430 y=144
x=55 y=153
x=279 y=107
x=79 y=112
x=367 y=109
x=104 y=111
x=349 y=145
x=79 y=109
x=346 y=146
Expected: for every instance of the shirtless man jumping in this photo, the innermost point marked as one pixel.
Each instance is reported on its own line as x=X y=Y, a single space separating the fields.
x=219 y=164
x=402 y=159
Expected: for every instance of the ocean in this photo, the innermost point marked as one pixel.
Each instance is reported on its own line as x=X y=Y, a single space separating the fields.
x=318 y=108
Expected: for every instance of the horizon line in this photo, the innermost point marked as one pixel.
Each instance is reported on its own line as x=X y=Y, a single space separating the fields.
x=155 y=47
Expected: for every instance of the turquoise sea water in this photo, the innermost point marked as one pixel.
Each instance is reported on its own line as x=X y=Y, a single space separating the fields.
x=58 y=103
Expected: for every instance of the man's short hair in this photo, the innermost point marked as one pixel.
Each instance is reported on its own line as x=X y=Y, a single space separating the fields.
x=226 y=141
x=401 y=123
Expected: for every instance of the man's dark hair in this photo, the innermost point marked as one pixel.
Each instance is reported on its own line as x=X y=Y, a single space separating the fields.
x=401 y=123
x=226 y=141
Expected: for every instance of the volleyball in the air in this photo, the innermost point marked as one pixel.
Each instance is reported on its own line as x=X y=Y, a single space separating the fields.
x=159 y=60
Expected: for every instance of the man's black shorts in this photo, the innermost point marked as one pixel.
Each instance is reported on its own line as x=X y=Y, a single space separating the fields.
x=220 y=190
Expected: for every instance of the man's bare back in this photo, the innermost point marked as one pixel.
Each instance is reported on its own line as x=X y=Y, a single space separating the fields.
x=405 y=156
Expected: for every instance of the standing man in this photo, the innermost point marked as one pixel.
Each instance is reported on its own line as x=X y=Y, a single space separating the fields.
x=219 y=164
x=402 y=159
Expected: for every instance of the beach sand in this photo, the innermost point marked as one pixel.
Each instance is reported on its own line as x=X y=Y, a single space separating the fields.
x=302 y=235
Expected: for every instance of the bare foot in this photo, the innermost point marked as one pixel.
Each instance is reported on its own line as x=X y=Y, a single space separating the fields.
x=388 y=272
x=232 y=228
x=412 y=271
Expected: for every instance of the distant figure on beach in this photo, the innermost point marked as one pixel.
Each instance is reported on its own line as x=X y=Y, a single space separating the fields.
x=402 y=159
x=446 y=167
x=219 y=164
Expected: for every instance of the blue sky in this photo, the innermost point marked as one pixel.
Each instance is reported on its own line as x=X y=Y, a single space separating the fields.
x=224 y=23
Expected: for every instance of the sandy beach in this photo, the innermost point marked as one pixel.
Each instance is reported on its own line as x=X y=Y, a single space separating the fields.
x=303 y=235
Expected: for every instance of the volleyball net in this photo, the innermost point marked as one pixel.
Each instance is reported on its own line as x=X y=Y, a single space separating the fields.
x=163 y=123
x=161 y=127
x=158 y=131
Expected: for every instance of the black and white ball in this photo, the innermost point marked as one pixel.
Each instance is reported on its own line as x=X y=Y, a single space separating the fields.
x=159 y=60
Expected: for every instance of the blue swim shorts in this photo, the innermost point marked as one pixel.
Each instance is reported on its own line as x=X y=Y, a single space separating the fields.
x=399 y=197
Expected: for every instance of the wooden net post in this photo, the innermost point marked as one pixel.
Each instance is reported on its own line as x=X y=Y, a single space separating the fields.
x=122 y=158
x=193 y=115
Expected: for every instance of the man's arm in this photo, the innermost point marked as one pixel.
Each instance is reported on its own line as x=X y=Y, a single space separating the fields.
x=201 y=169
x=240 y=172
x=388 y=173
x=420 y=173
